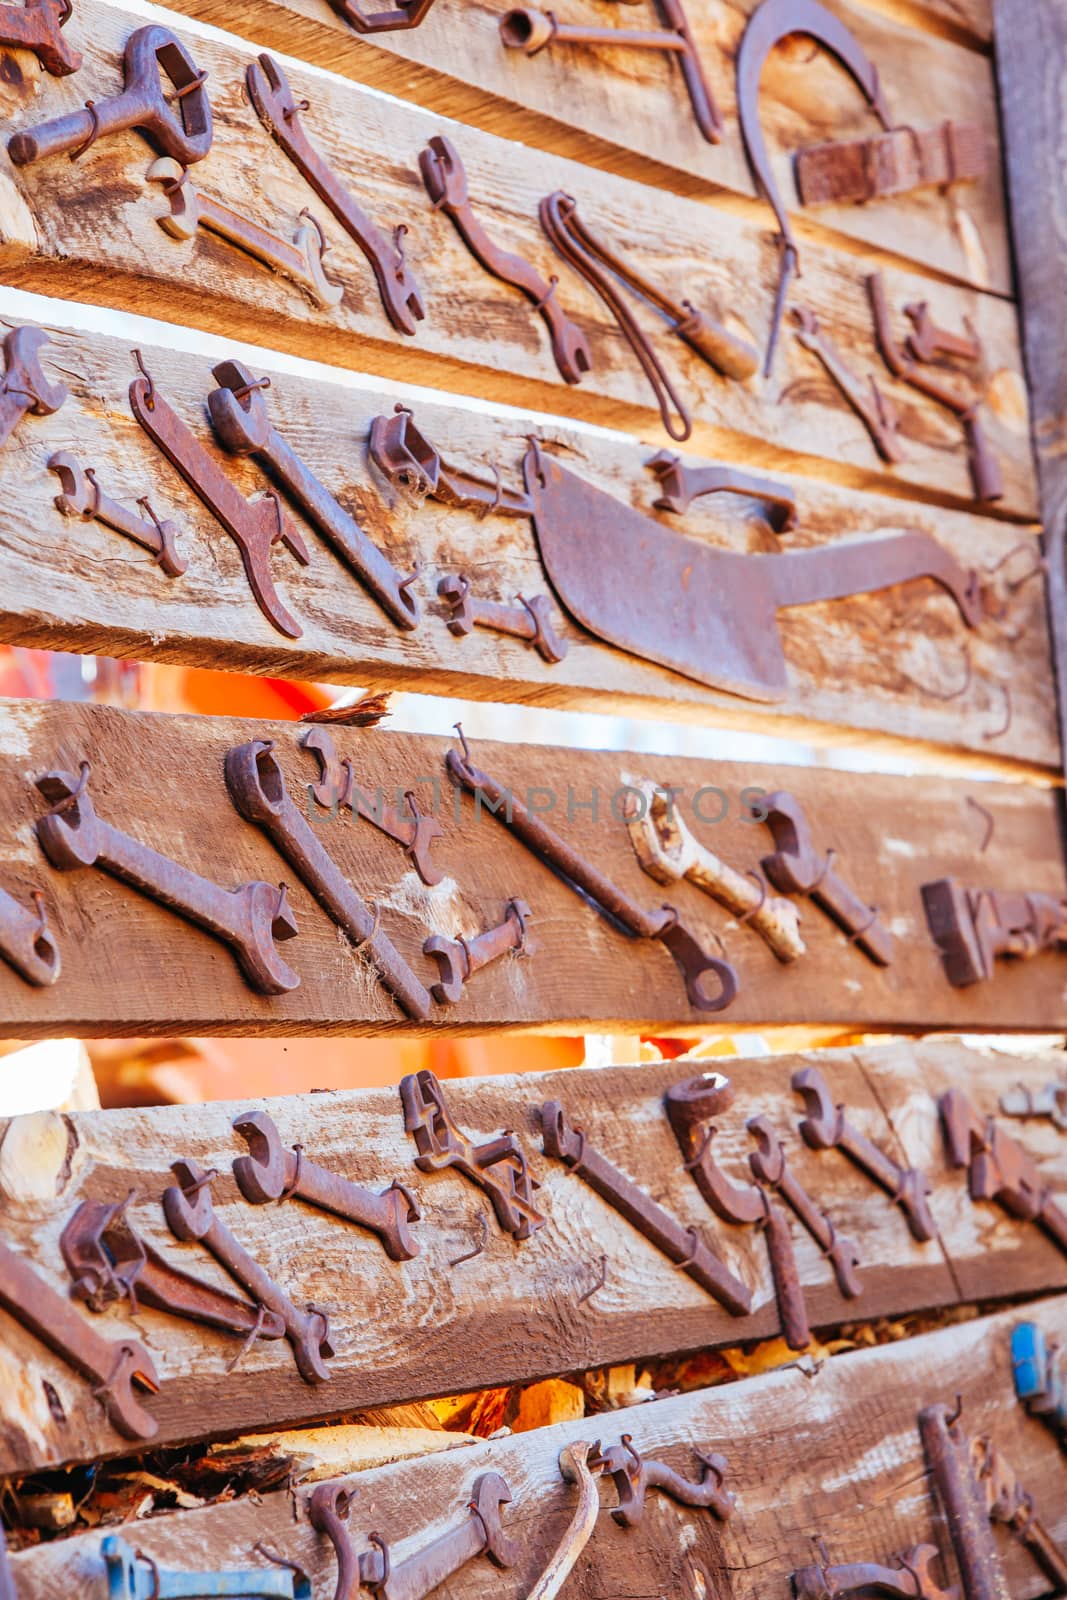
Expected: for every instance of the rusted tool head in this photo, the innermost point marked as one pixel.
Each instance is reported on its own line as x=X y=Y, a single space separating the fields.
x=405 y=456
x=443 y=173
x=490 y=1493
x=328 y=1510
x=239 y=409
x=37 y=26
x=696 y=1099
x=101 y=1274
x=262 y=1174
x=69 y=837
x=455 y=590
x=23 y=373
x=452 y=965
x=822 y=1124
x=187 y=1205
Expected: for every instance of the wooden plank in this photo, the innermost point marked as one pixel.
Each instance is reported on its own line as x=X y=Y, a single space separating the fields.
x=883 y=663
x=613 y=108
x=1035 y=124
x=161 y=777
x=513 y=1312
x=89 y=230
x=852 y=1473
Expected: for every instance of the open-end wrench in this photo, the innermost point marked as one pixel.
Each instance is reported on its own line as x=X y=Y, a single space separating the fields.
x=769 y=1167
x=680 y=1244
x=27 y=942
x=257 y=787
x=825 y=1127
x=406 y=14
x=82 y=496
x=36 y=25
x=445 y=178
x=269 y=1172
x=190 y=1215
x=239 y=413
x=24 y=387
x=633 y=1476
x=680 y=485
x=337 y=789
x=180 y=127
x=797 y=868
x=530 y=620
x=928 y=340
x=251 y=918
x=911 y=1579
x=113 y=1366
x=481 y=1533
x=299 y=259
x=459 y=959
x=874 y=409
x=255 y=526
x=132 y=1575
x=279 y=112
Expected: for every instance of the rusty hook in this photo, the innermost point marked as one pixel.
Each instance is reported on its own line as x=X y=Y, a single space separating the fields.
x=1009 y=711
x=94 y=132
x=70 y=801
x=477 y=1251
x=761 y=884
x=601 y=1281
x=987 y=817
x=150 y=392
x=940 y=694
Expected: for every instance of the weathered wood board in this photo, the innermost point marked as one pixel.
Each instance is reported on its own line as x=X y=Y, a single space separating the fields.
x=90 y=230
x=1033 y=38
x=832 y=1453
x=889 y=663
x=627 y=110
x=162 y=778
x=514 y=1311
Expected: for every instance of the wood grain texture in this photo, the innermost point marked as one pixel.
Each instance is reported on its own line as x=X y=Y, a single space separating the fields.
x=831 y=1453
x=513 y=1312
x=1031 y=39
x=882 y=663
x=132 y=967
x=89 y=230
x=627 y=110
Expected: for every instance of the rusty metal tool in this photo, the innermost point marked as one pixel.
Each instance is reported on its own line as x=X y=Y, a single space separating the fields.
x=680 y=1244
x=1048 y=1101
x=948 y=1457
x=1012 y=1505
x=132 y=1575
x=998 y=1167
x=530 y=620
x=896 y=162
x=973 y=928
x=928 y=341
x=24 y=388
x=796 y=867
x=190 y=1215
x=985 y=470
x=680 y=485
x=445 y=179
x=771 y=22
x=825 y=1127
x=179 y=127
x=251 y=918
x=410 y=462
x=499 y=1167
x=407 y=14
x=115 y=1367
x=37 y=26
x=108 y=1261
x=769 y=1167
x=633 y=1476
x=242 y=423
x=874 y=409
x=668 y=852
x=299 y=259
x=337 y=789
x=82 y=496
x=459 y=959
x=911 y=1579
x=269 y=1173
x=530 y=31
x=574 y=1467
x=480 y=1533
x=588 y=881
x=255 y=526
x=603 y=270
x=257 y=788
x=27 y=943
x=690 y=1107
x=278 y=110
x=711 y=613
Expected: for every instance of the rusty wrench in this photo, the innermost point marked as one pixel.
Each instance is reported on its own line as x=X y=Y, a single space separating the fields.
x=337 y=787
x=82 y=496
x=459 y=959
x=36 y=26
x=633 y=1476
x=875 y=410
x=277 y=109
x=269 y=1172
x=239 y=414
x=190 y=1215
x=445 y=178
x=769 y=1167
x=114 y=1366
x=257 y=788
x=24 y=387
x=249 y=918
x=27 y=942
